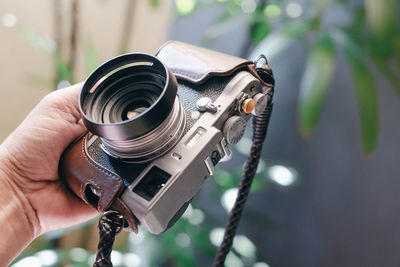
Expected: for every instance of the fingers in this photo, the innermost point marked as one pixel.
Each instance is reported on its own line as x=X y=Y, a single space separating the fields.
x=58 y=116
x=66 y=101
x=70 y=93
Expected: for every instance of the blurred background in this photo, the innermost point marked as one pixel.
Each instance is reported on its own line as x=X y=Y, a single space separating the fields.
x=326 y=190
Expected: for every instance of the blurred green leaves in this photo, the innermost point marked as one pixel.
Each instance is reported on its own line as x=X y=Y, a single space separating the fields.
x=154 y=3
x=381 y=18
x=370 y=42
x=64 y=71
x=279 y=40
x=315 y=82
x=91 y=58
x=40 y=42
x=365 y=88
x=49 y=47
x=259 y=30
x=367 y=100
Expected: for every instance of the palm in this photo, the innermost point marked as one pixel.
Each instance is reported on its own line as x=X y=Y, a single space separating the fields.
x=41 y=139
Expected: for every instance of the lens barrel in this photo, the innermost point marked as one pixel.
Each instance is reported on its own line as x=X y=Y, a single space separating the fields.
x=127 y=97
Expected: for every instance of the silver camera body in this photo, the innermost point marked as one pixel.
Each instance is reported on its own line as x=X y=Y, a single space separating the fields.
x=158 y=126
x=185 y=167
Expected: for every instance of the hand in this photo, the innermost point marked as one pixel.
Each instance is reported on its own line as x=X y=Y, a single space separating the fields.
x=29 y=160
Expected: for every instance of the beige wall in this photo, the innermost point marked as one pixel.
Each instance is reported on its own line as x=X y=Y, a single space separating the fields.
x=100 y=21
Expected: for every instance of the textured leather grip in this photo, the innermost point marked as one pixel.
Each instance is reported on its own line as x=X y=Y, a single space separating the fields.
x=79 y=171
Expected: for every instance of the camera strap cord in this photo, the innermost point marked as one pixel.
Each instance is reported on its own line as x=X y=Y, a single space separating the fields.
x=111 y=222
x=260 y=124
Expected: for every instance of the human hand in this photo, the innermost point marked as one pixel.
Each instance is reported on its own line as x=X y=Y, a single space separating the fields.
x=29 y=160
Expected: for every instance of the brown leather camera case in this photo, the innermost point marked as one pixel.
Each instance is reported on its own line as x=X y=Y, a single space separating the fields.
x=187 y=62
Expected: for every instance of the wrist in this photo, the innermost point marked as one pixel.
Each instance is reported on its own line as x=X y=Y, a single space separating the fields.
x=19 y=224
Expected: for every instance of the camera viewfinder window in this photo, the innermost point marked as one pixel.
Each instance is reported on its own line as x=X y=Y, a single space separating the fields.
x=153 y=181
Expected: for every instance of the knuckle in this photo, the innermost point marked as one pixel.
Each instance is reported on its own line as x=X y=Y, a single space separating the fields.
x=50 y=98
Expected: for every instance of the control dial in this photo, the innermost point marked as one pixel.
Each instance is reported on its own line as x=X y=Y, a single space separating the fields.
x=234 y=129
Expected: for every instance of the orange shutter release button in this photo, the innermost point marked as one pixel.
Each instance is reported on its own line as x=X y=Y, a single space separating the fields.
x=248 y=105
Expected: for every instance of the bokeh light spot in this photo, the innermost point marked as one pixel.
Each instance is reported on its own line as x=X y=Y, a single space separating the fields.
x=91 y=259
x=248 y=6
x=261 y=166
x=197 y=217
x=136 y=239
x=132 y=260
x=216 y=236
x=188 y=212
x=30 y=261
x=233 y=261
x=62 y=84
x=224 y=178
x=282 y=175
x=184 y=7
x=294 y=10
x=9 y=20
x=182 y=240
x=260 y=264
x=244 y=146
x=78 y=254
x=244 y=246
x=47 y=257
x=272 y=11
x=228 y=199
x=116 y=257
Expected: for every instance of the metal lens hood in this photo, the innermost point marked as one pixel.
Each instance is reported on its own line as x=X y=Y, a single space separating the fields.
x=118 y=83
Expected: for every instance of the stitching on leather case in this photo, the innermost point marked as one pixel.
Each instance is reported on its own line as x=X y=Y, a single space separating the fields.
x=99 y=168
x=82 y=191
x=88 y=178
x=200 y=77
x=187 y=74
x=213 y=72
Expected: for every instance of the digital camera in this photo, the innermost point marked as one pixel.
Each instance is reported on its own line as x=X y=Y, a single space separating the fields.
x=158 y=126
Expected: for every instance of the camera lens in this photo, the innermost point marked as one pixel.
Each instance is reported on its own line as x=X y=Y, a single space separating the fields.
x=131 y=103
x=127 y=96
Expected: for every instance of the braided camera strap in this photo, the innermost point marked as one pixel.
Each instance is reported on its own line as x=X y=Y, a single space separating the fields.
x=110 y=224
x=260 y=124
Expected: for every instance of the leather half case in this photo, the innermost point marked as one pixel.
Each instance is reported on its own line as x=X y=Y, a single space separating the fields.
x=102 y=188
